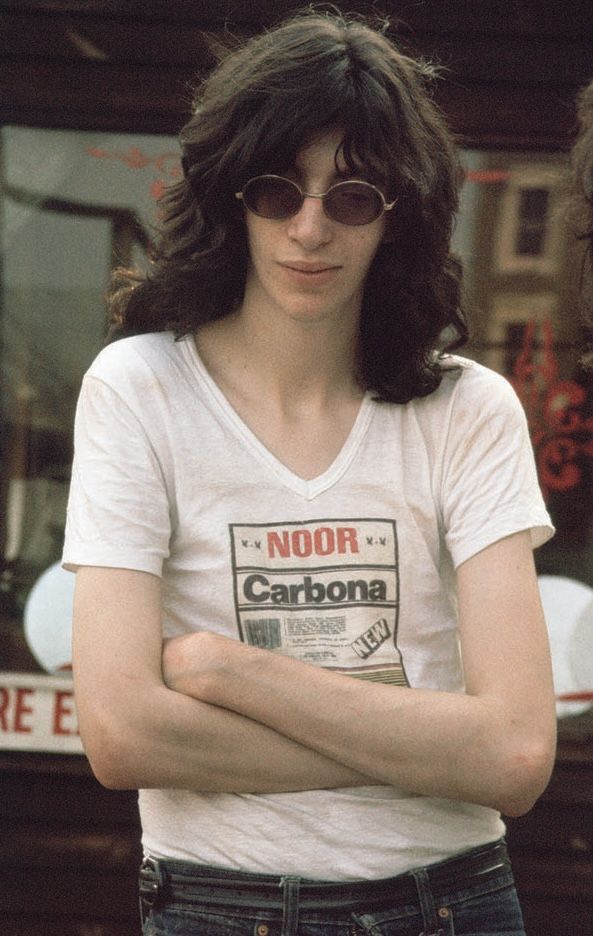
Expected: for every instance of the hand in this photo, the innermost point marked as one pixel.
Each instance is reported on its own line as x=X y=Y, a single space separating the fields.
x=190 y=662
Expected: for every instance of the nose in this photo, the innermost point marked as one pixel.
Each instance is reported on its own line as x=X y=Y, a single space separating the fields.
x=310 y=226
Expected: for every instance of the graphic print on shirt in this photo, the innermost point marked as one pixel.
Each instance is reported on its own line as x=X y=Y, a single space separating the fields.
x=323 y=591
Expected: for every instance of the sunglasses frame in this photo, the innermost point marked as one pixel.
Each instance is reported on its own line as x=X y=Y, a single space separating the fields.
x=385 y=205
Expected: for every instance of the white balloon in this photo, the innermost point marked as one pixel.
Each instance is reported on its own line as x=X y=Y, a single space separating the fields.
x=564 y=601
x=48 y=619
x=581 y=650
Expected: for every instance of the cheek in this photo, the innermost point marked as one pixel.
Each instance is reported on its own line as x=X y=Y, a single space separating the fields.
x=371 y=235
x=261 y=233
x=367 y=246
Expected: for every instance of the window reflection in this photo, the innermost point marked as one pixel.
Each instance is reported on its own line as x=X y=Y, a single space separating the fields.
x=76 y=204
x=523 y=276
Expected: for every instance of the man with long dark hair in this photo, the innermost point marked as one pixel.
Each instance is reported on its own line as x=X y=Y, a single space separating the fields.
x=307 y=623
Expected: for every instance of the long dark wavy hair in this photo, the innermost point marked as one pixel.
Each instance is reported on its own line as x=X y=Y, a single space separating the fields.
x=314 y=73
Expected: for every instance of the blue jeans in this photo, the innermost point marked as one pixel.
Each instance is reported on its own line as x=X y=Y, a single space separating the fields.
x=196 y=900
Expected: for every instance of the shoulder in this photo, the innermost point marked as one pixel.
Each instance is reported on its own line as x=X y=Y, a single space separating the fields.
x=131 y=386
x=470 y=402
x=471 y=388
x=134 y=361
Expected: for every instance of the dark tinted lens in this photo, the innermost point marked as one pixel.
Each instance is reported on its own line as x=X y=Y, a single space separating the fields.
x=353 y=203
x=270 y=197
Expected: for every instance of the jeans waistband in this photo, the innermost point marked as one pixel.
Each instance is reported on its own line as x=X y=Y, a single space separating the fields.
x=169 y=879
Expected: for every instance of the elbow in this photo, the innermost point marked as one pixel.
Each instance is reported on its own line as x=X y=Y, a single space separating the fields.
x=127 y=745
x=109 y=775
x=109 y=758
x=524 y=776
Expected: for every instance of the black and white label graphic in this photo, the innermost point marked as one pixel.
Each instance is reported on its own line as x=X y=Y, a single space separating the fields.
x=323 y=591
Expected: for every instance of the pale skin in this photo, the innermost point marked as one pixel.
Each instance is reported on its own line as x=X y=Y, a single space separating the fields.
x=212 y=714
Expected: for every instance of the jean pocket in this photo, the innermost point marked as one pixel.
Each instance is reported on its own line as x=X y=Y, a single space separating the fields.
x=494 y=914
x=192 y=920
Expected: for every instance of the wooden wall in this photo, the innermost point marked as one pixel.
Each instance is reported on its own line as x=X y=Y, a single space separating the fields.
x=511 y=67
x=69 y=850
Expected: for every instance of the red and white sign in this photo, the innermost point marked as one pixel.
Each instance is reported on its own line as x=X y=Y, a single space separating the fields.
x=37 y=713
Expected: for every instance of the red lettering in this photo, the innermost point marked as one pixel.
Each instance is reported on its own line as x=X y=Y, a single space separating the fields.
x=302 y=543
x=347 y=540
x=4 y=700
x=325 y=541
x=20 y=710
x=62 y=710
x=275 y=543
x=15 y=700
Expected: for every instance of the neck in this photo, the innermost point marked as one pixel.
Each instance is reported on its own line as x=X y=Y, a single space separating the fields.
x=290 y=361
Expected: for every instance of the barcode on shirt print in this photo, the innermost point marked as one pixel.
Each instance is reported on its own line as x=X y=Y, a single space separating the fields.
x=264 y=633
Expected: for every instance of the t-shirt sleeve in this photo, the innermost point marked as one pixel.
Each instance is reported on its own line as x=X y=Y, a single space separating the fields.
x=489 y=484
x=118 y=510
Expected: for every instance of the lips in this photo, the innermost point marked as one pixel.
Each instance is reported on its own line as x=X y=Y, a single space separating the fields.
x=311 y=276
x=303 y=267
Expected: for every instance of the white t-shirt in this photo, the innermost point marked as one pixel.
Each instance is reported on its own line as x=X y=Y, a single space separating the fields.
x=352 y=570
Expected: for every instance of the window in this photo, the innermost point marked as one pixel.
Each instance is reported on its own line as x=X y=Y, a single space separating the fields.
x=74 y=205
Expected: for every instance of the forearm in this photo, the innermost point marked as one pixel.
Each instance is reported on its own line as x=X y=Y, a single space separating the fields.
x=492 y=745
x=433 y=743
x=332 y=713
x=427 y=742
x=137 y=732
x=173 y=741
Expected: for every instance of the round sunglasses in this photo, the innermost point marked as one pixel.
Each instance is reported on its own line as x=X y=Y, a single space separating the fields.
x=353 y=202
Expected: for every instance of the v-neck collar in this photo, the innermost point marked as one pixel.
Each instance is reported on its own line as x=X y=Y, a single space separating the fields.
x=308 y=489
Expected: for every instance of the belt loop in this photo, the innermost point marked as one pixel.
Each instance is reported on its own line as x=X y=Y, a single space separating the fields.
x=426 y=901
x=290 y=905
x=152 y=882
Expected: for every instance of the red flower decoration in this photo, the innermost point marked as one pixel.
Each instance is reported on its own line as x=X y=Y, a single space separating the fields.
x=167 y=165
x=560 y=434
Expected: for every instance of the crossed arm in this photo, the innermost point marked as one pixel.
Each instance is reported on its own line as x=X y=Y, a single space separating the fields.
x=209 y=713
